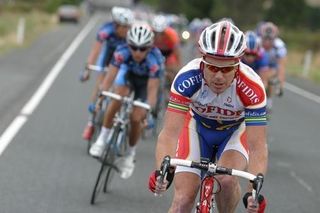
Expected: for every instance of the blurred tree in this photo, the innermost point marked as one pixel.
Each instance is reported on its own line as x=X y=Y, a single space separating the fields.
x=313 y=18
x=191 y=8
x=242 y=12
x=291 y=13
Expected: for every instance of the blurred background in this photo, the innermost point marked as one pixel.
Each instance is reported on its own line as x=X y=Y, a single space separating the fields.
x=298 y=20
x=46 y=167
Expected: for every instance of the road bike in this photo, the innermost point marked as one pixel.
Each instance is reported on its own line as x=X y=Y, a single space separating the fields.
x=275 y=85
x=116 y=142
x=96 y=117
x=206 y=202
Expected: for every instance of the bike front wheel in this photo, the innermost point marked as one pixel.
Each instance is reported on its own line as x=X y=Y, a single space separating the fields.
x=104 y=173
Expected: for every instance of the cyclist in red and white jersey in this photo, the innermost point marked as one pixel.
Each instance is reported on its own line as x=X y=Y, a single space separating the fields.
x=168 y=41
x=214 y=100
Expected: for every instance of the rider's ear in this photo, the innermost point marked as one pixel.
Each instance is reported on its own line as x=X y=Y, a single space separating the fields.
x=201 y=65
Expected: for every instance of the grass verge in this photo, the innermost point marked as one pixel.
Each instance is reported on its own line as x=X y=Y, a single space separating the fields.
x=36 y=22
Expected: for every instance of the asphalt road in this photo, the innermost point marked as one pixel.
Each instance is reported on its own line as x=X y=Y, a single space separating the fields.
x=45 y=168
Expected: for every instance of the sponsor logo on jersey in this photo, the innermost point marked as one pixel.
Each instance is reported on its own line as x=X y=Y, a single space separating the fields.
x=118 y=57
x=218 y=110
x=154 y=68
x=189 y=82
x=249 y=92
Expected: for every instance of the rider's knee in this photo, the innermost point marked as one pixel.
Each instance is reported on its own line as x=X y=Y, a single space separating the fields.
x=136 y=118
x=182 y=202
x=228 y=183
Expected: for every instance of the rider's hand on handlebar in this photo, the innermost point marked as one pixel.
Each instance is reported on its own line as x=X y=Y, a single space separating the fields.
x=99 y=103
x=251 y=205
x=85 y=75
x=156 y=185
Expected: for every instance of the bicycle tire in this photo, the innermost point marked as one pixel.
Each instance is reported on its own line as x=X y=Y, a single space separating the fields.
x=98 y=184
x=107 y=161
x=107 y=183
x=110 y=157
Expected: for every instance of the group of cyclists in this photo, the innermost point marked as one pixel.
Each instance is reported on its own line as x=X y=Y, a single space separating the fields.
x=129 y=56
x=220 y=98
x=266 y=53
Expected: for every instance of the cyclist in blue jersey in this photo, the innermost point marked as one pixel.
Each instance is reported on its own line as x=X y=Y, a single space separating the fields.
x=109 y=36
x=254 y=56
x=276 y=50
x=136 y=66
x=215 y=100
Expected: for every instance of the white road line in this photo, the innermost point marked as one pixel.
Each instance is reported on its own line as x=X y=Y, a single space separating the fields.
x=304 y=93
x=32 y=104
x=301 y=181
x=11 y=131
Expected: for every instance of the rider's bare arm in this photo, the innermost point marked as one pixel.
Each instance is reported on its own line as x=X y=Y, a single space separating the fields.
x=177 y=52
x=282 y=69
x=168 y=137
x=258 y=152
x=109 y=78
x=95 y=51
x=152 y=88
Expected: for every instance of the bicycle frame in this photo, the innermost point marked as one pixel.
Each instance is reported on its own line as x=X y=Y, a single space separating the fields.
x=206 y=200
x=122 y=119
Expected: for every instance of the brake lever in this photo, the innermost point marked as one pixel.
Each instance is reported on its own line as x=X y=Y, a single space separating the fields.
x=257 y=186
x=164 y=168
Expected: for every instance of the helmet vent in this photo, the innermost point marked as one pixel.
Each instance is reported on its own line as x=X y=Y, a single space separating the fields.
x=223 y=35
x=213 y=40
x=240 y=43
x=231 y=42
x=204 y=39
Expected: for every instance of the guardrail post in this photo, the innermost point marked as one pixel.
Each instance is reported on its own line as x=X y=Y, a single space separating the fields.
x=306 y=63
x=21 y=30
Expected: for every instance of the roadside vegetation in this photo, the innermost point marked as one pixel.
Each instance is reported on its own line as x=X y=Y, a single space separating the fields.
x=299 y=25
x=39 y=15
x=36 y=22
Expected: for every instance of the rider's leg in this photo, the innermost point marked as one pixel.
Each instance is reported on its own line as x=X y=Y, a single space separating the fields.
x=88 y=131
x=112 y=108
x=96 y=88
x=186 y=186
x=126 y=164
x=266 y=76
x=137 y=117
x=229 y=196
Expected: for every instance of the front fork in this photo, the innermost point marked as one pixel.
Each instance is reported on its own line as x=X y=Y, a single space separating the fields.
x=206 y=202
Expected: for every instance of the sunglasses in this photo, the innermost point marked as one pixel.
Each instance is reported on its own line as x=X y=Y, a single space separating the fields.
x=251 y=54
x=141 y=49
x=216 y=69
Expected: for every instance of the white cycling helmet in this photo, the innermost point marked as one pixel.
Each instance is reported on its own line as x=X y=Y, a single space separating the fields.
x=141 y=35
x=122 y=16
x=269 y=30
x=159 y=23
x=222 y=40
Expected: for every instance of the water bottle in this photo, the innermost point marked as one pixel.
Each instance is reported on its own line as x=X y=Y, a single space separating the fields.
x=150 y=122
x=120 y=138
